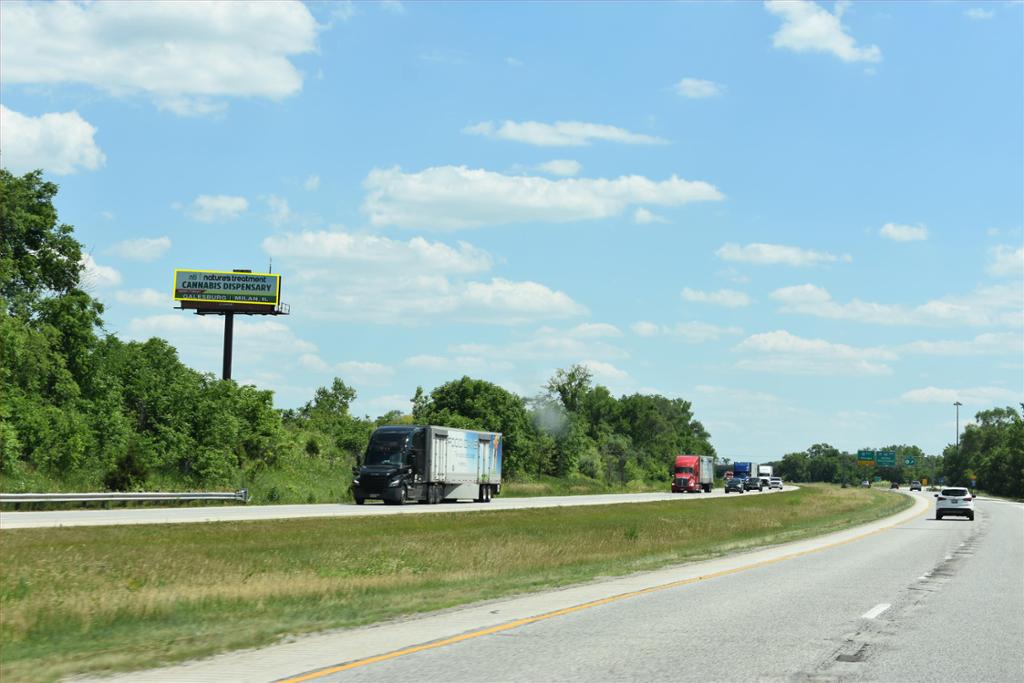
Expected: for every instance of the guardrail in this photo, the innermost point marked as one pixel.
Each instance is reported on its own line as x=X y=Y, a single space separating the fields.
x=242 y=495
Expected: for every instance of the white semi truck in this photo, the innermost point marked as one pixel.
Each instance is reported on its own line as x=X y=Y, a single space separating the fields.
x=428 y=464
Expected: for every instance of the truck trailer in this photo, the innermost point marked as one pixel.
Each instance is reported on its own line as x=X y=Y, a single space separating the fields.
x=743 y=470
x=693 y=473
x=765 y=471
x=428 y=464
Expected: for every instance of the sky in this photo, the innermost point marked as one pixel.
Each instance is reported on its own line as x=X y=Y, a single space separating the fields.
x=807 y=219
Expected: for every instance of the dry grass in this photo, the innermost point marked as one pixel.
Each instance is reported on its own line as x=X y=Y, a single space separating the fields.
x=86 y=599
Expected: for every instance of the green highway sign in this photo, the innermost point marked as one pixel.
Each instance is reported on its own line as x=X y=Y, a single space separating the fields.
x=886 y=458
x=909 y=460
x=865 y=457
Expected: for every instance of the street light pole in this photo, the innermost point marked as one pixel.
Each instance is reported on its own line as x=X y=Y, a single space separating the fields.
x=957 y=404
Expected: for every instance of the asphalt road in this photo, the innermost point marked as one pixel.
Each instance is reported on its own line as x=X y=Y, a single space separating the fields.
x=924 y=601
x=226 y=513
x=904 y=599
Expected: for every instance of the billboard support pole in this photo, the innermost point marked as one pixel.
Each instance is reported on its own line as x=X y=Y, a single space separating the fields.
x=229 y=333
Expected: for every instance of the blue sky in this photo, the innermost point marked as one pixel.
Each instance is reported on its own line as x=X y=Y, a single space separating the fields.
x=804 y=218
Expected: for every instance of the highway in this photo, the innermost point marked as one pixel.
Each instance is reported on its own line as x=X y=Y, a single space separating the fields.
x=237 y=513
x=904 y=599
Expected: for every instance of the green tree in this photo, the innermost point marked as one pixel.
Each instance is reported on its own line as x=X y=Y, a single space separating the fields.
x=570 y=386
x=39 y=257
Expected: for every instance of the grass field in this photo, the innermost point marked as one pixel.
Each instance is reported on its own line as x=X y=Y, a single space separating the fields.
x=92 y=598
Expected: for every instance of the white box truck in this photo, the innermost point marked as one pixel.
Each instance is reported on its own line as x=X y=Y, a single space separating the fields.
x=765 y=474
x=428 y=464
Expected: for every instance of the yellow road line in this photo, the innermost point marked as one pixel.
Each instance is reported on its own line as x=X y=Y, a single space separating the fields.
x=320 y=673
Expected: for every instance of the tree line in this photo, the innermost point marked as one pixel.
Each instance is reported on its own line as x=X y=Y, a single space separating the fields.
x=87 y=410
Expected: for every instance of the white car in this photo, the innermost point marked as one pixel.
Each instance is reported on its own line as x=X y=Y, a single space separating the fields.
x=775 y=483
x=954 y=501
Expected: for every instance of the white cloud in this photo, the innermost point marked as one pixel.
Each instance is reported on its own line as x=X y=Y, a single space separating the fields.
x=369 y=278
x=1006 y=261
x=57 y=143
x=95 y=275
x=559 y=134
x=904 y=233
x=594 y=330
x=460 y=363
x=729 y=298
x=786 y=353
x=392 y=6
x=216 y=208
x=982 y=344
x=365 y=372
x=312 y=183
x=561 y=167
x=698 y=88
x=644 y=217
x=343 y=10
x=516 y=301
x=737 y=397
x=807 y=27
x=455 y=197
x=312 y=361
x=978 y=14
x=693 y=332
x=645 y=328
x=696 y=332
x=366 y=252
x=996 y=305
x=184 y=55
x=776 y=254
x=143 y=249
x=149 y=298
x=257 y=342
x=606 y=373
x=545 y=343
x=972 y=398
x=427 y=361
x=280 y=212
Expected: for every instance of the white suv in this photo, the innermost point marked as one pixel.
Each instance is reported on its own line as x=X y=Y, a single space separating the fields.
x=775 y=483
x=954 y=502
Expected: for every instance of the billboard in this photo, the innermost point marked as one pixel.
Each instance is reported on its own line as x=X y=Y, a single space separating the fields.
x=227 y=287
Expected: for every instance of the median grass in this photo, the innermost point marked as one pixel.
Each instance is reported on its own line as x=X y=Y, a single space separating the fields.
x=119 y=598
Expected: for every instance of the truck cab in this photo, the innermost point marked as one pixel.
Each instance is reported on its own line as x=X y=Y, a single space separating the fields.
x=390 y=464
x=692 y=473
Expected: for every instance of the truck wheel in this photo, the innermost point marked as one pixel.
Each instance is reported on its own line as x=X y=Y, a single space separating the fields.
x=360 y=501
x=487 y=494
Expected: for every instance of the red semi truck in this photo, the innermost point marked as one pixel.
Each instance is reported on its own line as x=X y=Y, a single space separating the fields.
x=693 y=473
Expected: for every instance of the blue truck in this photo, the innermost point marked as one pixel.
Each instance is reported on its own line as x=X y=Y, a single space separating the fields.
x=743 y=470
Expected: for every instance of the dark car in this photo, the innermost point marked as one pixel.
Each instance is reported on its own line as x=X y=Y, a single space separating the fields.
x=753 y=484
x=915 y=486
x=894 y=485
x=734 y=484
